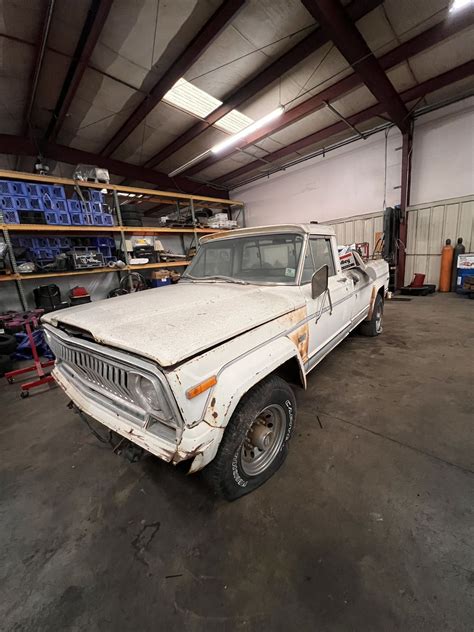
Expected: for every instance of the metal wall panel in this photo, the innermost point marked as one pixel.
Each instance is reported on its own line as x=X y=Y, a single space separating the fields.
x=359 y=228
x=429 y=225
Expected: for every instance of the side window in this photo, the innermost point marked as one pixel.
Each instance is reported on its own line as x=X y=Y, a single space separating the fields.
x=322 y=253
x=308 y=267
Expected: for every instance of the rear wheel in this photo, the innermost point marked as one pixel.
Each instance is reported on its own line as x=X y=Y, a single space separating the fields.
x=374 y=326
x=255 y=442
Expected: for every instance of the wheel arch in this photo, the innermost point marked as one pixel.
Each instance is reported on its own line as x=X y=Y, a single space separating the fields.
x=238 y=378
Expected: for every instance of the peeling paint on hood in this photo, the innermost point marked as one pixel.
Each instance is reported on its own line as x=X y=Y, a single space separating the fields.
x=172 y=323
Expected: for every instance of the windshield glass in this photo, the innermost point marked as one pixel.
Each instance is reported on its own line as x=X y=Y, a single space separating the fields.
x=255 y=259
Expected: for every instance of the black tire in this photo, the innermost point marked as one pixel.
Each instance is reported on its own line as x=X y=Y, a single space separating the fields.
x=8 y=344
x=132 y=214
x=6 y=364
x=132 y=222
x=374 y=326
x=226 y=474
x=14 y=329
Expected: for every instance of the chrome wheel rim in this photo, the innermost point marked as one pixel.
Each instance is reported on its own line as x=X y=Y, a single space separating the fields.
x=263 y=440
x=378 y=319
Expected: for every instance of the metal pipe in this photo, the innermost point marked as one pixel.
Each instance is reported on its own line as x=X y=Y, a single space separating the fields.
x=344 y=120
x=39 y=63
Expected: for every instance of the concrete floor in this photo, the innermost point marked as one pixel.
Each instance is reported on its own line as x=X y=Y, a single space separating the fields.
x=368 y=526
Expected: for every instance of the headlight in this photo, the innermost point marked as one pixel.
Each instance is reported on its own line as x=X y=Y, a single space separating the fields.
x=150 y=397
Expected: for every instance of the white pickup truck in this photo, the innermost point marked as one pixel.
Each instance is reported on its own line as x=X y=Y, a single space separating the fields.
x=201 y=370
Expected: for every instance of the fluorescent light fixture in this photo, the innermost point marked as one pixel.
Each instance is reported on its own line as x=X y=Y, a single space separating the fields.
x=459 y=4
x=248 y=130
x=188 y=164
x=187 y=97
x=233 y=122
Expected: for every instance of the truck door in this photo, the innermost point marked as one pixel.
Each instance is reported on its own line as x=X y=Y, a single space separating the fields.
x=326 y=326
x=362 y=293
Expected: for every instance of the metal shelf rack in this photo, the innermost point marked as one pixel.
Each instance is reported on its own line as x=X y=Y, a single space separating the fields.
x=131 y=195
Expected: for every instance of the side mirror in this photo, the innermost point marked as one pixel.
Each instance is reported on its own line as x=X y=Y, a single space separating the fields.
x=319 y=281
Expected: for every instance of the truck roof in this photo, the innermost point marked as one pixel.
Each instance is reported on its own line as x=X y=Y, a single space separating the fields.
x=312 y=229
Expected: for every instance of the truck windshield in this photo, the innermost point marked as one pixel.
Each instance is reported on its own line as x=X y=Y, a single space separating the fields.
x=254 y=259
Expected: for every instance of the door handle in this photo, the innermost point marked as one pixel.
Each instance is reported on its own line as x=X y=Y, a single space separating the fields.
x=342 y=280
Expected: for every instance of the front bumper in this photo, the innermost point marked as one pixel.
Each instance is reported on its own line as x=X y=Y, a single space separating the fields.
x=194 y=442
x=164 y=449
x=103 y=395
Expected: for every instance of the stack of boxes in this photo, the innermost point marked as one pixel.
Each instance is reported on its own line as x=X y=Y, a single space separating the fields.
x=44 y=250
x=28 y=203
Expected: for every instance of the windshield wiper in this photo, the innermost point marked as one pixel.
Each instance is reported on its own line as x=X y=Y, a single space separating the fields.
x=215 y=277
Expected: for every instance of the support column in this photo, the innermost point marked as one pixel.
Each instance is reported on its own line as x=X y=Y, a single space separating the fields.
x=407 y=147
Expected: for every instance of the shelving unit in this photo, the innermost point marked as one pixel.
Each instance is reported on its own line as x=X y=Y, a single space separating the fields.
x=131 y=195
x=45 y=228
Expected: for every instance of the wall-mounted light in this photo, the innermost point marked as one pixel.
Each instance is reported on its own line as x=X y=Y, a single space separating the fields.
x=232 y=140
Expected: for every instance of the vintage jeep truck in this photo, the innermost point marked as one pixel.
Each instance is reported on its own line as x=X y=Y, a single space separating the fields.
x=201 y=370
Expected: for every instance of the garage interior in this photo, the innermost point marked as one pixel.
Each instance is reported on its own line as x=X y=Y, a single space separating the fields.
x=132 y=133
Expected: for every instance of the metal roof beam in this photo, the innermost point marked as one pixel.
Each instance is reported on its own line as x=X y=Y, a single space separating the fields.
x=453 y=24
x=213 y=27
x=95 y=20
x=431 y=85
x=23 y=146
x=335 y=22
x=299 y=52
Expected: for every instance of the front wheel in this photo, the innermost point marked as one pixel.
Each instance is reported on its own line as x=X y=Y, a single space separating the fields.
x=374 y=326
x=255 y=442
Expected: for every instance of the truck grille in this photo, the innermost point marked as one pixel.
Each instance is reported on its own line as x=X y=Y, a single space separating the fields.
x=93 y=369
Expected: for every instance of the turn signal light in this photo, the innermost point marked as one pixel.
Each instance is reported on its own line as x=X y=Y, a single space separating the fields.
x=200 y=388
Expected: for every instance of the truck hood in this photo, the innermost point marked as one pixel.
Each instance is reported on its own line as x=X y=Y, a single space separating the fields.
x=170 y=324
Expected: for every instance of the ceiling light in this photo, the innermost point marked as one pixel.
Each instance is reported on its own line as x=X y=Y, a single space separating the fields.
x=459 y=4
x=233 y=122
x=188 y=97
x=248 y=130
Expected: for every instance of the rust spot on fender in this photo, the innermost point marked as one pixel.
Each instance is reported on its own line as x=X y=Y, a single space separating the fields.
x=372 y=302
x=214 y=414
x=299 y=337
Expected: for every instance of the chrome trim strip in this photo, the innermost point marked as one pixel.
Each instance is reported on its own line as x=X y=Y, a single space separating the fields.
x=326 y=348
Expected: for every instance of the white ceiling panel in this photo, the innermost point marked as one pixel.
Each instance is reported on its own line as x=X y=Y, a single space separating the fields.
x=67 y=23
x=202 y=143
x=463 y=87
x=310 y=124
x=402 y=77
x=355 y=101
x=377 y=31
x=450 y=53
x=128 y=48
x=221 y=168
x=221 y=69
x=164 y=124
x=21 y=19
x=15 y=60
x=409 y=17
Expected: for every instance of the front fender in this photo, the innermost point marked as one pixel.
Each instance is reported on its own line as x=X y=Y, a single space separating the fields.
x=237 y=378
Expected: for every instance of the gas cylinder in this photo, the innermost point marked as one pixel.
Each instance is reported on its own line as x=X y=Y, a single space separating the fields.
x=445 y=270
x=459 y=249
